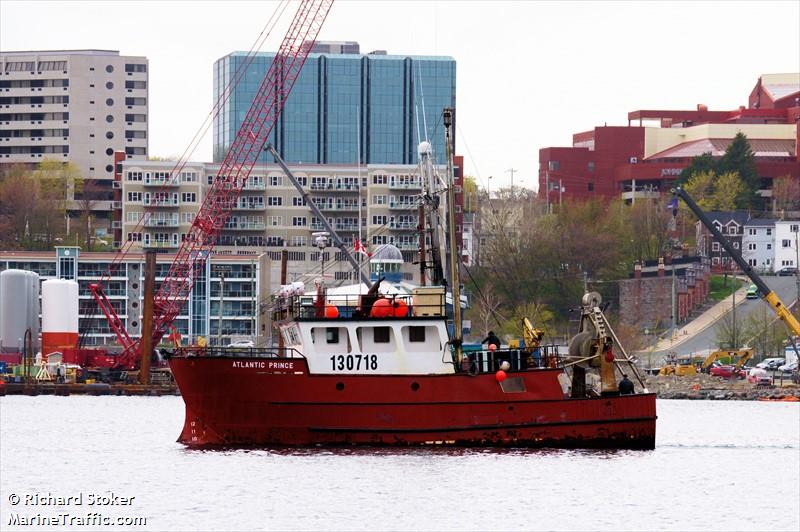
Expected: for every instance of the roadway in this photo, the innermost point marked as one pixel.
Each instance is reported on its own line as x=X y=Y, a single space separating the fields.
x=706 y=338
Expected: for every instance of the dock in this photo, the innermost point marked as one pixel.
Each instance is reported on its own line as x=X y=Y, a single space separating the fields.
x=49 y=388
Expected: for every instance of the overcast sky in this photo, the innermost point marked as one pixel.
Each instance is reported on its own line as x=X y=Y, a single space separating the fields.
x=529 y=74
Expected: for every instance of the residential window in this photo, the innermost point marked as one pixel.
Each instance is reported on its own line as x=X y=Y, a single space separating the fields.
x=751 y=247
x=751 y=232
x=379 y=199
x=590 y=186
x=553 y=166
x=378 y=220
x=135 y=68
x=769 y=232
x=769 y=246
x=378 y=240
x=189 y=177
x=735 y=245
x=794 y=228
x=189 y=197
x=298 y=241
x=133 y=216
x=715 y=246
x=298 y=201
x=134 y=176
x=591 y=166
x=276 y=221
x=275 y=181
x=274 y=201
x=134 y=237
x=299 y=221
x=303 y=181
x=786 y=243
x=134 y=197
x=380 y=179
x=187 y=217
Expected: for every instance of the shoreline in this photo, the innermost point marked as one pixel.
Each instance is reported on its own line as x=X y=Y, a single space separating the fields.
x=707 y=387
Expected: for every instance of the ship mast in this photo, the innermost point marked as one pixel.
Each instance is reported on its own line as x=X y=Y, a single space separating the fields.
x=455 y=281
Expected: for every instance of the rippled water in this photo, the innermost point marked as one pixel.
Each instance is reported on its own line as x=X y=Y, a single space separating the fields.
x=717 y=466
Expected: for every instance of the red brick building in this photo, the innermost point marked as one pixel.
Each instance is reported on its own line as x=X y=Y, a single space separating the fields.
x=642 y=159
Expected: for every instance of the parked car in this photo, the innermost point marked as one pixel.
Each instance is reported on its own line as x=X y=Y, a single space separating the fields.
x=726 y=372
x=788 y=368
x=752 y=292
x=759 y=376
x=771 y=363
x=788 y=271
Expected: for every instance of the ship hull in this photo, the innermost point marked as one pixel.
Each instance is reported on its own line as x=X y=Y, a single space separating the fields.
x=234 y=401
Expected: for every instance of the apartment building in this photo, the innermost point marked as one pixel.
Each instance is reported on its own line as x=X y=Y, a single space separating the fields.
x=787 y=244
x=222 y=311
x=378 y=204
x=80 y=106
x=758 y=244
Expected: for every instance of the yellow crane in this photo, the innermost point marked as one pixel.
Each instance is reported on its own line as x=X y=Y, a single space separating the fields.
x=764 y=291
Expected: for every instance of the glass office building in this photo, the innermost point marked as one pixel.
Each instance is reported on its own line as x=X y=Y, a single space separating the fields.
x=343 y=104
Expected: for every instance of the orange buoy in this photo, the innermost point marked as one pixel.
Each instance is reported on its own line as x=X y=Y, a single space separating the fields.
x=400 y=308
x=382 y=308
x=331 y=311
x=500 y=376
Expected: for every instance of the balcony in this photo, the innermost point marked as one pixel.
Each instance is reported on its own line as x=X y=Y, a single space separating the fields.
x=162 y=222
x=160 y=244
x=407 y=246
x=403 y=226
x=342 y=207
x=245 y=226
x=150 y=201
x=414 y=185
x=154 y=182
x=242 y=206
x=258 y=185
x=403 y=205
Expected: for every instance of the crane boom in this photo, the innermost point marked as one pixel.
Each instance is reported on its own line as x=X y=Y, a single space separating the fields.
x=233 y=173
x=765 y=292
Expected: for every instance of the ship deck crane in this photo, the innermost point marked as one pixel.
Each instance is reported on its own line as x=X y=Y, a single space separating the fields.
x=227 y=185
x=764 y=291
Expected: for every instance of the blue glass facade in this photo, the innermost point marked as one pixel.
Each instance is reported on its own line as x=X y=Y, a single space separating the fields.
x=338 y=97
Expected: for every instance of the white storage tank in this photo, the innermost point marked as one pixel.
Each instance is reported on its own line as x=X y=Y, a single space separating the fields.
x=59 y=315
x=19 y=309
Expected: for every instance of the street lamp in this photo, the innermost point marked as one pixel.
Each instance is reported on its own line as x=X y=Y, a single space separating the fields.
x=489 y=188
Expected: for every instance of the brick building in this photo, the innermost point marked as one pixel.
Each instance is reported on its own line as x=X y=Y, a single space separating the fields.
x=642 y=159
x=646 y=298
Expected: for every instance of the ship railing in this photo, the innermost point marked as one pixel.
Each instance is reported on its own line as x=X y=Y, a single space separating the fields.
x=241 y=352
x=486 y=361
x=428 y=305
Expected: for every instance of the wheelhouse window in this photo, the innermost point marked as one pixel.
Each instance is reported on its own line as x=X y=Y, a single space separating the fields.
x=416 y=334
x=381 y=335
x=332 y=335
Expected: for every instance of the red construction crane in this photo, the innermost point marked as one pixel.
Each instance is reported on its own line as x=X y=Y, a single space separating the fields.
x=228 y=183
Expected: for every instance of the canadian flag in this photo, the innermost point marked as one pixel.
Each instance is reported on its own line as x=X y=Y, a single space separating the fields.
x=359 y=247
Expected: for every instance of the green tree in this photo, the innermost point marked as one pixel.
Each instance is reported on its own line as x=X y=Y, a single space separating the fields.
x=19 y=201
x=699 y=165
x=701 y=188
x=470 y=194
x=730 y=192
x=739 y=158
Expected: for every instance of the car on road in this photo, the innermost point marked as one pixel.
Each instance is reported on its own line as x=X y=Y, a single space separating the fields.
x=788 y=271
x=752 y=292
x=727 y=372
x=771 y=363
x=788 y=368
x=759 y=377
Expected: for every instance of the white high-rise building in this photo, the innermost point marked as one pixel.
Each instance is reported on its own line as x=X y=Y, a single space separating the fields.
x=74 y=105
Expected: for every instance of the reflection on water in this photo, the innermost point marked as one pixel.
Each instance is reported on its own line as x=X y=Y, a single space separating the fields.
x=717 y=466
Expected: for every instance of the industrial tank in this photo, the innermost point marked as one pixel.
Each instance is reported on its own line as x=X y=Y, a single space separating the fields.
x=19 y=309
x=59 y=315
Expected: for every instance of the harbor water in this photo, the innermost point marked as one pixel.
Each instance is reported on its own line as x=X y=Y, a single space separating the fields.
x=717 y=466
